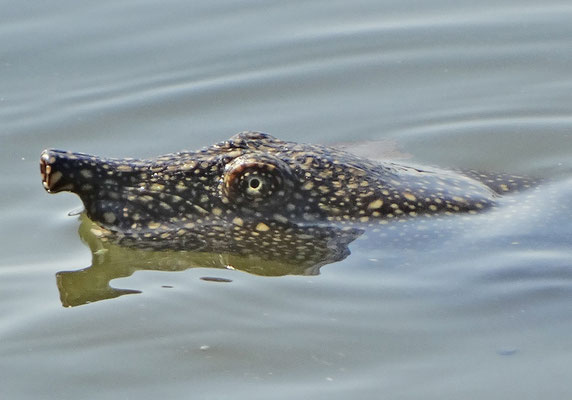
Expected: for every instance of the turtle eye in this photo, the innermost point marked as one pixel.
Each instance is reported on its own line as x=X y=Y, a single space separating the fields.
x=254 y=186
x=255 y=180
x=259 y=181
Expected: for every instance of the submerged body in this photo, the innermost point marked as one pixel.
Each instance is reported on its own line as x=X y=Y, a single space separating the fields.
x=256 y=193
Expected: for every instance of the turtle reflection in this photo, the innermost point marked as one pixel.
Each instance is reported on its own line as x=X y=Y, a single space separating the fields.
x=111 y=261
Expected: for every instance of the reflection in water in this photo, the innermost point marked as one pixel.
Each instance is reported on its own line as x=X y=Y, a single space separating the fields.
x=111 y=261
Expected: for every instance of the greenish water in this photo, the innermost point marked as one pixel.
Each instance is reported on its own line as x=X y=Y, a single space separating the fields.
x=482 y=314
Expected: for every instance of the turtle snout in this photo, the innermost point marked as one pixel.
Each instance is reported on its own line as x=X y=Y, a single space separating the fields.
x=50 y=176
x=55 y=168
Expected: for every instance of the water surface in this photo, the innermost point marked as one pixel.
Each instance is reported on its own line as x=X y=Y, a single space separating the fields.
x=483 y=314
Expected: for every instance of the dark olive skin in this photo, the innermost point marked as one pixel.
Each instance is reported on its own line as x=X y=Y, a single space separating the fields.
x=256 y=191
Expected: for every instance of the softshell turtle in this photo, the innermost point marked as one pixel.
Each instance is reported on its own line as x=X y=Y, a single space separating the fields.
x=255 y=192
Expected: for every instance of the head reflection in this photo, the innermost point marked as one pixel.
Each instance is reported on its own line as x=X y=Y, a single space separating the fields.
x=111 y=260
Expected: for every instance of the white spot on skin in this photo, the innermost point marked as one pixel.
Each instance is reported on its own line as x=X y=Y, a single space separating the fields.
x=262 y=227
x=55 y=177
x=189 y=165
x=97 y=232
x=308 y=185
x=165 y=206
x=109 y=217
x=409 y=196
x=200 y=209
x=374 y=205
x=86 y=173
x=124 y=168
x=280 y=218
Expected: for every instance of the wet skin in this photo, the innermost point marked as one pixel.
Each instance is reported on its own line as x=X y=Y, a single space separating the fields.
x=257 y=194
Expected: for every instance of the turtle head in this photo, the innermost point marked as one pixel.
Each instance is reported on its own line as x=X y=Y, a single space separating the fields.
x=235 y=182
x=242 y=195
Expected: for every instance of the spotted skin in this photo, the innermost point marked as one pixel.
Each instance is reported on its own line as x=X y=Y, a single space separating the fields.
x=256 y=193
